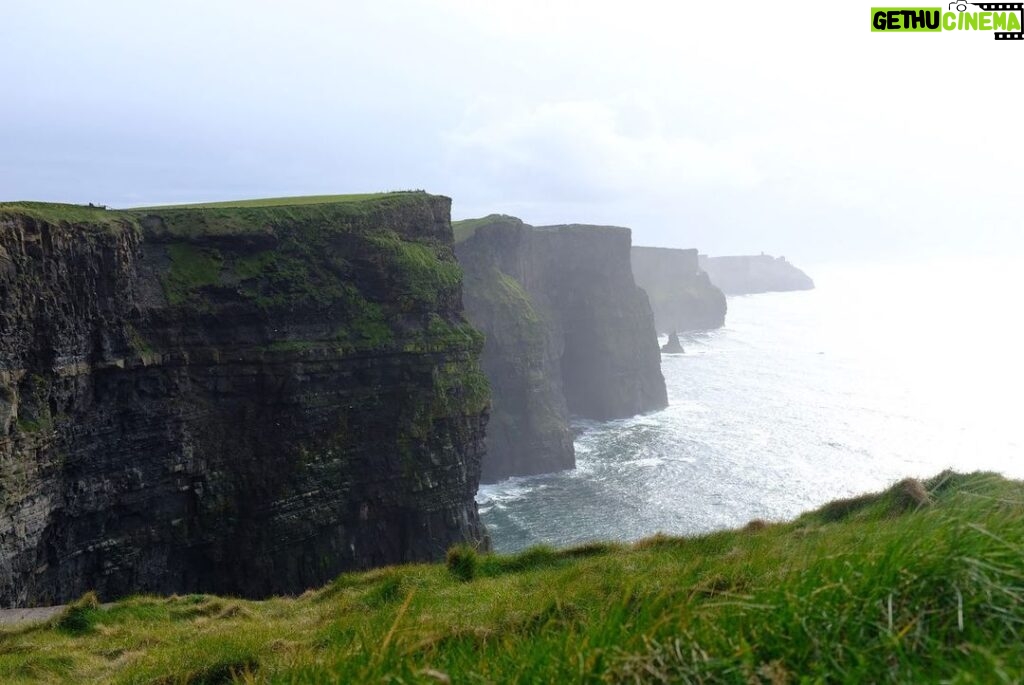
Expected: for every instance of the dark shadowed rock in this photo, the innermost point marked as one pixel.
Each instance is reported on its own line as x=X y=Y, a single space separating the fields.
x=682 y=296
x=567 y=331
x=673 y=346
x=747 y=275
x=241 y=400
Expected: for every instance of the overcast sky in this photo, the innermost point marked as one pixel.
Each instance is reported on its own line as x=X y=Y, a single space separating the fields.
x=780 y=126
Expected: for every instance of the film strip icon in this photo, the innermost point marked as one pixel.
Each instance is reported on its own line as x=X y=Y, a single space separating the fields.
x=1004 y=7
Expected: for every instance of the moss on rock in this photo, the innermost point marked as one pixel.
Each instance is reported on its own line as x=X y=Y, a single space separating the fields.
x=192 y=268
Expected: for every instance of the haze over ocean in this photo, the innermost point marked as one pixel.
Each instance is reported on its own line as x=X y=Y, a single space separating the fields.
x=882 y=372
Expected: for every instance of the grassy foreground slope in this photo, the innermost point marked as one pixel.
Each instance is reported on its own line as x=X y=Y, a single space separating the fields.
x=922 y=583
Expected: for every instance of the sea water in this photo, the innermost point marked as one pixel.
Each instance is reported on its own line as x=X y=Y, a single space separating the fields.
x=880 y=373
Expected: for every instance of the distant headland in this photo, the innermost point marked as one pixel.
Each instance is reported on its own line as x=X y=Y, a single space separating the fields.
x=750 y=274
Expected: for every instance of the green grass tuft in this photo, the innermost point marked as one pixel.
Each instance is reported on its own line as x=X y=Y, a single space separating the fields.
x=80 y=616
x=387 y=591
x=462 y=562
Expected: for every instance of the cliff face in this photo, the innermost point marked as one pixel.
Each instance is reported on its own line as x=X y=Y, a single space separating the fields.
x=746 y=275
x=528 y=432
x=236 y=400
x=682 y=296
x=567 y=331
x=611 y=367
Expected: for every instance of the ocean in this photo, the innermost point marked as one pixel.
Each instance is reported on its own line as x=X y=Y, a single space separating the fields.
x=880 y=373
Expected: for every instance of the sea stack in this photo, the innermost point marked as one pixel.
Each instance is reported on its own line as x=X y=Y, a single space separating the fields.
x=673 y=346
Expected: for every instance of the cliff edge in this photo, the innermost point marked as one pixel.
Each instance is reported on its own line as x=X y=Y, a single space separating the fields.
x=682 y=296
x=239 y=398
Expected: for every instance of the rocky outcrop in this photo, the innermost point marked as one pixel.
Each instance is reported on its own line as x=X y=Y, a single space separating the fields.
x=747 y=275
x=682 y=296
x=240 y=400
x=567 y=332
x=673 y=346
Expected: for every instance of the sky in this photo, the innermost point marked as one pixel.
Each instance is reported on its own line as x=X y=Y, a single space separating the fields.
x=783 y=127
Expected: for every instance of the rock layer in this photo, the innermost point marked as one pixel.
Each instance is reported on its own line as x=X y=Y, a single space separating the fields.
x=682 y=296
x=234 y=400
x=567 y=332
x=747 y=275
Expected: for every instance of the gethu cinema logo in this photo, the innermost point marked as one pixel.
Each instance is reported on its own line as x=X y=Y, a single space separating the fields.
x=998 y=17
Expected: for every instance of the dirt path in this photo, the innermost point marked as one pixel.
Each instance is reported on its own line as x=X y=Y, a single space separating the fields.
x=13 y=617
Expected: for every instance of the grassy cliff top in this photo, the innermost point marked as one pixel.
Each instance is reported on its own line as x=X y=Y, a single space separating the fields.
x=225 y=218
x=380 y=210
x=283 y=201
x=466 y=228
x=621 y=232
x=921 y=583
x=56 y=212
x=74 y=213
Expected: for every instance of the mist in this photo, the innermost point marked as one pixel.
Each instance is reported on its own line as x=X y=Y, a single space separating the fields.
x=833 y=144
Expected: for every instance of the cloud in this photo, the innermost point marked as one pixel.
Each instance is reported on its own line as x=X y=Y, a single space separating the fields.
x=790 y=128
x=587 y=150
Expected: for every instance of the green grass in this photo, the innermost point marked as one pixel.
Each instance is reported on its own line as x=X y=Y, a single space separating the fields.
x=296 y=254
x=256 y=215
x=280 y=201
x=522 y=325
x=26 y=425
x=59 y=213
x=192 y=268
x=505 y=294
x=292 y=274
x=467 y=228
x=317 y=220
x=422 y=276
x=922 y=583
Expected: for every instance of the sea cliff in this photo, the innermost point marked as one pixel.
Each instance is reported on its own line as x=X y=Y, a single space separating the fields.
x=682 y=296
x=241 y=398
x=567 y=332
